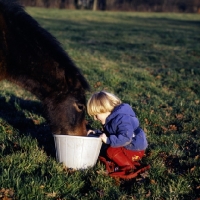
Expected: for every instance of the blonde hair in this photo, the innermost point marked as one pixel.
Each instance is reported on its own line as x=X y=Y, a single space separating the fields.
x=101 y=102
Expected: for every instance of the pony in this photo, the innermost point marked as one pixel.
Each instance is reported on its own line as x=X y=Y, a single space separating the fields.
x=32 y=58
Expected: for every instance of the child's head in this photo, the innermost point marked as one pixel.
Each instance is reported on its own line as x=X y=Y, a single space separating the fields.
x=101 y=102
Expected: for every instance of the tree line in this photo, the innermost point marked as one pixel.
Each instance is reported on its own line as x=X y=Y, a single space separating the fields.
x=192 y=6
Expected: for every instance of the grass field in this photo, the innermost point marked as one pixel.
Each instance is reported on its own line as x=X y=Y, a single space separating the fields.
x=152 y=62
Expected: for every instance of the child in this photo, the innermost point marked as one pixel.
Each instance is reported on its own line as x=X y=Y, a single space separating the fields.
x=125 y=139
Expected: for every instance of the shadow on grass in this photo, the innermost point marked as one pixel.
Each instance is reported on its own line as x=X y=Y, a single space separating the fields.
x=26 y=126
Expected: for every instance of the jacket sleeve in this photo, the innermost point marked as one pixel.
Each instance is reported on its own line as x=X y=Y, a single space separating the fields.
x=122 y=127
x=97 y=132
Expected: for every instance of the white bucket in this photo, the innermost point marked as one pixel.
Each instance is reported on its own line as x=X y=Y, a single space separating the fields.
x=77 y=152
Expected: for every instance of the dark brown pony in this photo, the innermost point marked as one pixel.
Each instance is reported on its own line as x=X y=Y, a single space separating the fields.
x=33 y=59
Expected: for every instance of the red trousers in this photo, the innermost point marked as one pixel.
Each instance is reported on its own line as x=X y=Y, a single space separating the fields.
x=124 y=157
x=123 y=163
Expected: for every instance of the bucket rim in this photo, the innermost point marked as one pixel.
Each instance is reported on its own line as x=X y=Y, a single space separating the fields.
x=74 y=136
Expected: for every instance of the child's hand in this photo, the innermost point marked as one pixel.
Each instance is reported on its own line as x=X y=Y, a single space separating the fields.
x=103 y=137
x=90 y=131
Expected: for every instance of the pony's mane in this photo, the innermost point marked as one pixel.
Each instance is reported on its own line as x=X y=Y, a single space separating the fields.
x=37 y=37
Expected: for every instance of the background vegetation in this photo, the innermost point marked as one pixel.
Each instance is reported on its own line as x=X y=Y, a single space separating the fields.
x=151 y=61
x=128 y=5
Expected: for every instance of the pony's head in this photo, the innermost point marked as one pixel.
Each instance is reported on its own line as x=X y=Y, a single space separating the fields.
x=66 y=113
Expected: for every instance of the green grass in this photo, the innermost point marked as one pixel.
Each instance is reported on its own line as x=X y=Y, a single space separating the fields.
x=151 y=61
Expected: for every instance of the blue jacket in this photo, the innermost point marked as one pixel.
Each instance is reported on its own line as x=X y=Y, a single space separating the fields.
x=122 y=129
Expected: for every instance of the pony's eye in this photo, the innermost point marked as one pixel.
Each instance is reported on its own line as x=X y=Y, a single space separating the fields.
x=79 y=107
